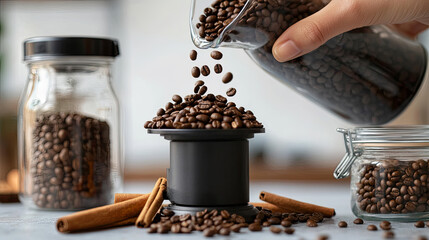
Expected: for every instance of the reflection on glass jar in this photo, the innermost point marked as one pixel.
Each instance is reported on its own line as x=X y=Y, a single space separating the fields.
x=389 y=172
x=70 y=156
x=366 y=76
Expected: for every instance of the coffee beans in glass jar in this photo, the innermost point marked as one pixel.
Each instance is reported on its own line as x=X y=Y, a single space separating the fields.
x=393 y=187
x=71 y=162
x=366 y=76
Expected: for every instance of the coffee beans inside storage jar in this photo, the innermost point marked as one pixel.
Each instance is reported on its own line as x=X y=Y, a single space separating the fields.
x=71 y=162
x=70 y=150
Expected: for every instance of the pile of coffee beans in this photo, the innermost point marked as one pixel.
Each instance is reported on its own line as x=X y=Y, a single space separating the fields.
x=70 y=166
x=393 y=187
x=223 y=223
x=366 y=76
x=201 y=110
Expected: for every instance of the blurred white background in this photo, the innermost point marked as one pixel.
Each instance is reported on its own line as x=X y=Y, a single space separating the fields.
x=155 y=42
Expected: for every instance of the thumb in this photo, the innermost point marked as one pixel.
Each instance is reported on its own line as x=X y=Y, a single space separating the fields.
x=311 y=32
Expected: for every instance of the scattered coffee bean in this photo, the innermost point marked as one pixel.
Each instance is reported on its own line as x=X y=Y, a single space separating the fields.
x=209 y=232
x=385 y=225
x=255 y=227
x=422 y=238
x=311 y=223
x=286 y=223
x=193 y=55
x=205 y=70
x=227 y=77
x=70 y=165
x=389 y=234
x=372 y=228
x=231 y=92
x=342 y=224
x=276 y=230
x=167 y=212
x=225 y=231
x=358 y=221
x=236 y=228
x=323 y=237
x=419 y=224
x=289 y=231
x=218 y=68
x=216 y=55
x=195 y=72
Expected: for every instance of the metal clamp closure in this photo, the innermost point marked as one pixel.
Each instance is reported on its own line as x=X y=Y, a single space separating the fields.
x=343 y=168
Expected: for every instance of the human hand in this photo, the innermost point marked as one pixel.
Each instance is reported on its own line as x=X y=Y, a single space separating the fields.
x=408 y=16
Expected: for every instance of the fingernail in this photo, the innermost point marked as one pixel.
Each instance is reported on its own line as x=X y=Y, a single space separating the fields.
x=286 y=51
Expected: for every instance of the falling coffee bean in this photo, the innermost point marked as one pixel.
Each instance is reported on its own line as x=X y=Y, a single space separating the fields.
x=196 y=89
x=231 y=92
x=205 y=70
x=199 y=83
x=193 y=55
x=227 y=77
x=218 y=68
x=202 y=90
x=216 y=55
x=195 y=72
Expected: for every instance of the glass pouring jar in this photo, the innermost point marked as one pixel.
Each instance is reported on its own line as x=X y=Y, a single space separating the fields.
x=389 y=172
x=69 y=131
x=366 y=76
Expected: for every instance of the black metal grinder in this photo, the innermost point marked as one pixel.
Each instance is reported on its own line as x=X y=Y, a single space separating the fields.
x=209 y=169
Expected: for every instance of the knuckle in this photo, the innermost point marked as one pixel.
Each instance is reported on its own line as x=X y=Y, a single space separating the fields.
x=313 y=32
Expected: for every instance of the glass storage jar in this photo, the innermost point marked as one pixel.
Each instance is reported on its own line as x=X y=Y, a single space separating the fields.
x=389 y=172
x=366 y=76
x=69 y=143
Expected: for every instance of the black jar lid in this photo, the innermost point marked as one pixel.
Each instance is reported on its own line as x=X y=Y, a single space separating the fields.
x=39 y=48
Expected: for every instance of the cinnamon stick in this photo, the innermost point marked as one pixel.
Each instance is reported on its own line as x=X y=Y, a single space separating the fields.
x=153 y=204
x=120 y=197
x=128 y=221
x=270 y=206
x=294 y=205
x=101 y=216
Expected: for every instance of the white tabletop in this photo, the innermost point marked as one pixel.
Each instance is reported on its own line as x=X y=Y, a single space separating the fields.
x=16 y=222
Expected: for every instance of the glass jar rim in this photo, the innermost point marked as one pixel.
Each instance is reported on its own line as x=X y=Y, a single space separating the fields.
x=393 y=135
x=416 y=136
